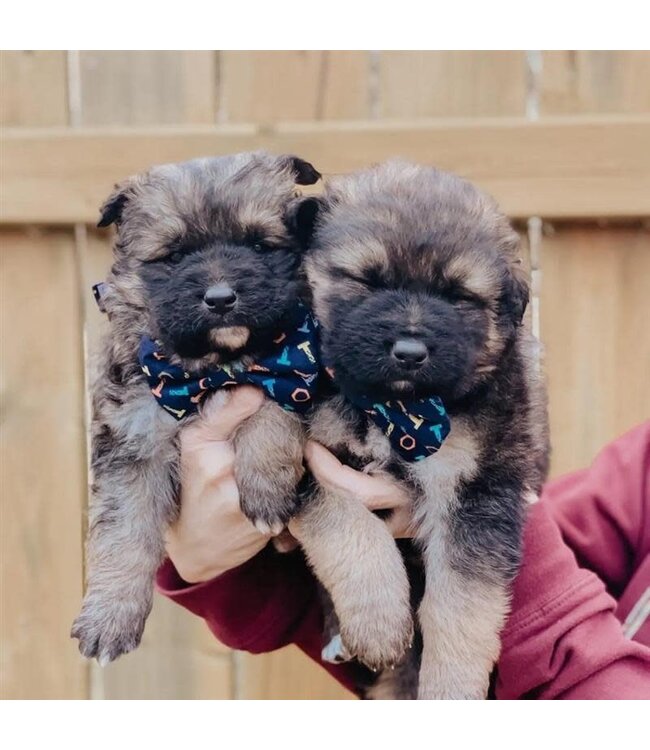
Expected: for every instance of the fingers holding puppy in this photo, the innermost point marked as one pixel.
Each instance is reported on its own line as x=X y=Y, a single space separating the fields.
x=376 y=492
x=222 y=414
x=211 y=534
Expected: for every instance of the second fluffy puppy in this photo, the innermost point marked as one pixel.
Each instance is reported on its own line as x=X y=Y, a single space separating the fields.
x=420 y=295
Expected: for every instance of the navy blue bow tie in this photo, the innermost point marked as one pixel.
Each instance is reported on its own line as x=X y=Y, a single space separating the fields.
x=415 y=428
x=288 y=373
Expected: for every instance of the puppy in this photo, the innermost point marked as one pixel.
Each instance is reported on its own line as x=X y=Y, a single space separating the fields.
x=204 y=293
x=420 y=295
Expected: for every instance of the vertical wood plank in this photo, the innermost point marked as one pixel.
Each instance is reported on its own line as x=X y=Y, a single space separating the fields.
x=43 y=465
x=594 y=298
x=595 y=309
x=293 y=85
x=33 y=88
x=595 y=82
x=288 y=674
x=452 y=83
x=41 y=425
x=148 y=88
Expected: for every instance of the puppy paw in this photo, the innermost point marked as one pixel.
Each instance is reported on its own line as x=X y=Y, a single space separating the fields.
x=266 y=503
x=379 y=641
x=105 y=632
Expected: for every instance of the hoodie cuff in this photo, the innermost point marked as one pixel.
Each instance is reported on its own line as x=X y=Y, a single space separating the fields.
x=254 y=607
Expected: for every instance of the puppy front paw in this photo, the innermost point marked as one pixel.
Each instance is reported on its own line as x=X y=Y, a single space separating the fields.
x=267 y=501
x=106 y=631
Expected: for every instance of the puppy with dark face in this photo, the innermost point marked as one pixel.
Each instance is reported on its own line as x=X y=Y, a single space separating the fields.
x=205 y=285
x=420 y=294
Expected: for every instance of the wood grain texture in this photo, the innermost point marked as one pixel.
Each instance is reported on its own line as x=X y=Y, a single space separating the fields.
x=33 y=88
x=178 y=659
x=43 y=466
x=595 y=309
x=595 y=82
x=145 y=88
x=557 y=167
x=449 y=83
x=266 y=87
x=288 y=674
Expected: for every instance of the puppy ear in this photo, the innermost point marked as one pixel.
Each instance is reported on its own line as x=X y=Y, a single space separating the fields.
x=301 y=219
x=303 y=172
x=515 y=295
x=111 y=211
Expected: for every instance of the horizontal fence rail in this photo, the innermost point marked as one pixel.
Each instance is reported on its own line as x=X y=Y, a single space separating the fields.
x=562 y=167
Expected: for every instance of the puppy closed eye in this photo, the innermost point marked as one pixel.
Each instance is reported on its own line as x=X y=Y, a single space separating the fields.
x=175 y=257
x=176 y=252
x=461 y=296
x=368 y=279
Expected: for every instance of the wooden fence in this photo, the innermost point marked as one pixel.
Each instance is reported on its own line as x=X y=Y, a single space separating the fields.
x=562 y=139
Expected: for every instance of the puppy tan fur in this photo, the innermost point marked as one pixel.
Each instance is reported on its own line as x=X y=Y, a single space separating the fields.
x=411 y=256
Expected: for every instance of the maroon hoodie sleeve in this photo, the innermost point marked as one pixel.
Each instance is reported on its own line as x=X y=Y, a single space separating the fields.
x=604 y=512
x=263 y=605
x=562 y=639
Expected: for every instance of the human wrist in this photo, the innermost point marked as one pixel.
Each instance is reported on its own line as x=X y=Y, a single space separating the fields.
x=196 y=567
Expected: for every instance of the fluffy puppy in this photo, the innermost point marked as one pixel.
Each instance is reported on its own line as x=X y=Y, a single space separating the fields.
x=205 y=280
x=419 y=292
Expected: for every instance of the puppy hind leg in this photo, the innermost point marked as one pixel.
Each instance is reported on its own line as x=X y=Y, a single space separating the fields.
x=460 y=617
x=131 y=507
x=357 y=561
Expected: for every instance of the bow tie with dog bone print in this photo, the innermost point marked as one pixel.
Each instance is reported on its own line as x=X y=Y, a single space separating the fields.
x=415 y=428
x=288 y=373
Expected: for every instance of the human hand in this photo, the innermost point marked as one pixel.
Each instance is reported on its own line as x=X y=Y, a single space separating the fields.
x=212 y=535
x=375 y=492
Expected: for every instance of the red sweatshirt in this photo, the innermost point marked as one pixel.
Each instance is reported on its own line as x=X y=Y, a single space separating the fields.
x=580 y=621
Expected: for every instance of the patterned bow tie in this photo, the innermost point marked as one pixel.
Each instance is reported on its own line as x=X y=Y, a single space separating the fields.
x=288 y=374
x=415 y=429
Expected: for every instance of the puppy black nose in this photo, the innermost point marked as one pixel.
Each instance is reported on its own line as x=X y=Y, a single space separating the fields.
x=410 y=353
x=220 y=298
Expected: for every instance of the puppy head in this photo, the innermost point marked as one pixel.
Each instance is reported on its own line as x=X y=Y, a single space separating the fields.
x=415 y=281
x=206 y=255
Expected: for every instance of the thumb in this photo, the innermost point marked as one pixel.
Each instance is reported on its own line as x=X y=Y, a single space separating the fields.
x=375 y=492
x=224 y=412
x=330 y=472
